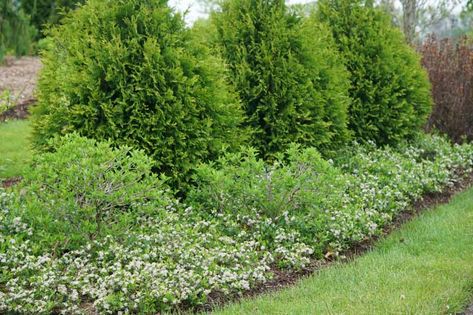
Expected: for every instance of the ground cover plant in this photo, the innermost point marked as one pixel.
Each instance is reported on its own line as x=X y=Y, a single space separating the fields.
x=156 y=253
x=424 y=268
x=79 y=230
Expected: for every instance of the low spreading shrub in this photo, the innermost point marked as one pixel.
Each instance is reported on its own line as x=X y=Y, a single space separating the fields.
x=297 y=191
x=241 y=182
x=450 y=68
x=390 y=91
x=243 y=217
x=84 y=188
x=128 y=71
x=331 y=205
x=287 y=72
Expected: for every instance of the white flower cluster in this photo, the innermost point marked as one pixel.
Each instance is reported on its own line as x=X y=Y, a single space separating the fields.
x=167 y=262
x=182 y=256
x=385 y=181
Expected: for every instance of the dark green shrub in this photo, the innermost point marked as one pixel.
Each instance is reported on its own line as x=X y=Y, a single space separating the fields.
x=288 y=75
x=390 y=91
x=16 y=33
x=85 y=189
x=129 y=71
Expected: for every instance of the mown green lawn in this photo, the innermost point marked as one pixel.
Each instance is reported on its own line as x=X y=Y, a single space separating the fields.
x=424 y=268
x=15 y=150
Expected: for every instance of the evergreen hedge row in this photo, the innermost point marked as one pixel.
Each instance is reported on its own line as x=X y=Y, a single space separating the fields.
x=131 y=72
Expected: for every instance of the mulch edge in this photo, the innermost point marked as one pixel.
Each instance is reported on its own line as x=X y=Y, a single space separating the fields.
x=283 y=279
x=468 y=311
x=18 y=111
x=9 y=182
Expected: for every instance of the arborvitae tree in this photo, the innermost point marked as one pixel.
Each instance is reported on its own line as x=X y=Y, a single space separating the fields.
x=290 y=79
x=16 y=32
x=129 y=71
x=390 y=90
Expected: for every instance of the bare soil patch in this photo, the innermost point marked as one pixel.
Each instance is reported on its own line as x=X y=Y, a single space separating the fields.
x=19 y=77
x=469 y=311
x=9 y=182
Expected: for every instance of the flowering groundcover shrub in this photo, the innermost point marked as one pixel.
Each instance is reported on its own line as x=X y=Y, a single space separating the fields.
x=155 y=253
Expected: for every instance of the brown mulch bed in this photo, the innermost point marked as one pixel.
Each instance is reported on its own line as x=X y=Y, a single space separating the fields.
x=9 y=182
x=19 y=76
x=469 y=310
x=285 y=278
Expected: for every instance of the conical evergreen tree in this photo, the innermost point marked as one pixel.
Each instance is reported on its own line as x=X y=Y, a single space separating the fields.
x=288 y=75
x=390 y=90
x=129 y=71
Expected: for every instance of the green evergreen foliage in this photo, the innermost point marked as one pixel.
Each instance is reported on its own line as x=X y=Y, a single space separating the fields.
x=287 y=72
x=129 y=71
x=389 y=88
x=16 y=33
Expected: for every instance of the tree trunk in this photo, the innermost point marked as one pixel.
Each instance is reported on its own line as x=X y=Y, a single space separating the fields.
x=409 y=8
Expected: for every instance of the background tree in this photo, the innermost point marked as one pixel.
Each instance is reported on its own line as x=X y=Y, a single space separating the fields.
x=44 y=12
x=390 y=7
x=409 y=19
x=420 y=16
x=16 y=32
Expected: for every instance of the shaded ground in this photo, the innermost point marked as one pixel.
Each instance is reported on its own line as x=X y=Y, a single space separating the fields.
x=18 y=77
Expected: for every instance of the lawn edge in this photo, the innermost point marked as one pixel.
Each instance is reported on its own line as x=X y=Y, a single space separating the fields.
x=284 y=279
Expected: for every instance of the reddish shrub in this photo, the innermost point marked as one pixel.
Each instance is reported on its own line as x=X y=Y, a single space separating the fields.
x=450 y=68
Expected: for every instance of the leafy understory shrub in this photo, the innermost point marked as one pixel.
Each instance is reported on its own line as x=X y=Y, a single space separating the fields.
x=287 y=72
x=296 y=191
x=84 y=188
x=128 y=71
x=93 y=223
x=244 y=217
x=390 y=90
